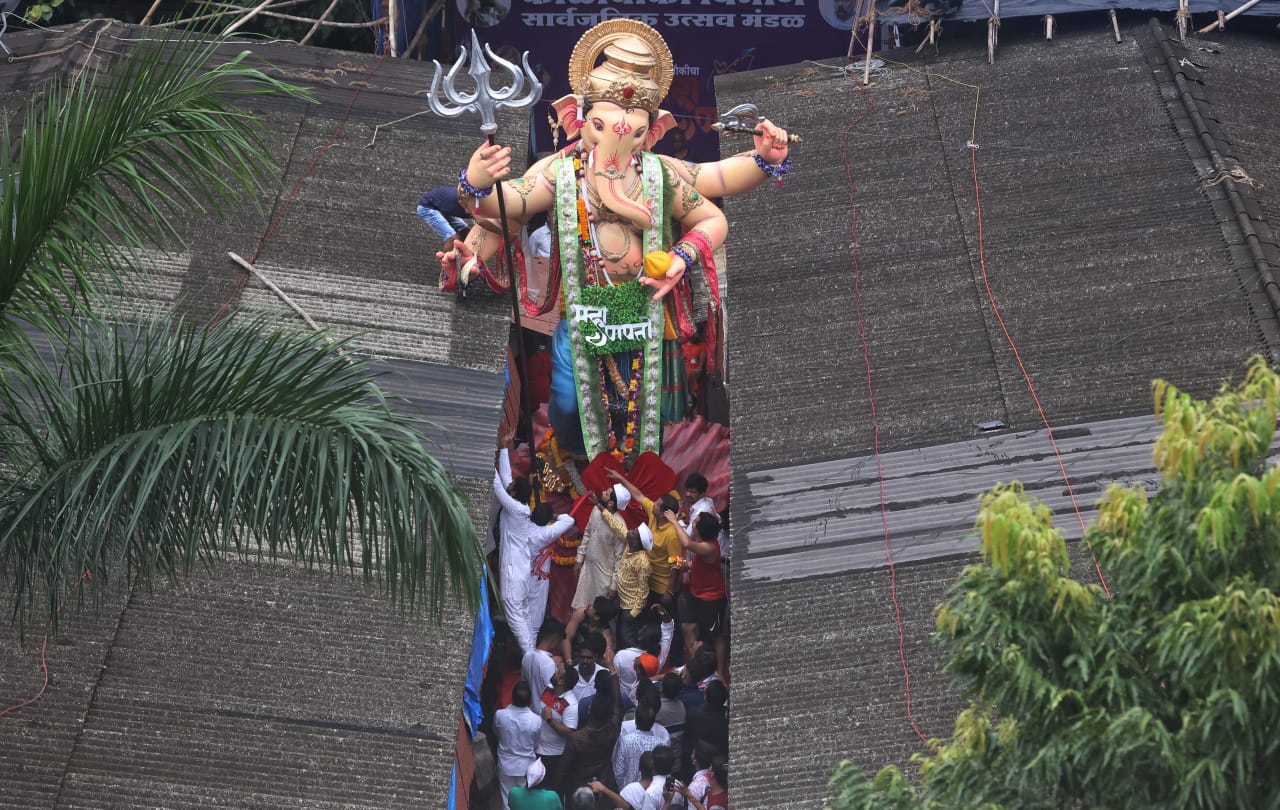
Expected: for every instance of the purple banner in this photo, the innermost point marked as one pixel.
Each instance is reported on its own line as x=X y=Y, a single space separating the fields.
x=708 y=38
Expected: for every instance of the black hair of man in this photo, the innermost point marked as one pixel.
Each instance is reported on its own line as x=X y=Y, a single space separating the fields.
x=582 y=799
x=602 y=682
x=720 y=769
x=595 y=643
x=606 y=609
x=664 y=759
x=724 y=520
x=668 y=502
x=704 y=753
x=521 y=695
x=647 y=694
x=646 y=714
x=672 y=683
x=646 y=765
x=707 y=527
x=649 y=639
x=551 y=630
x=696 y=482
x=601 y=712
x=716 y=694
x=542 y=514
x=521 y=489
x=701 y=666
x=569 y=679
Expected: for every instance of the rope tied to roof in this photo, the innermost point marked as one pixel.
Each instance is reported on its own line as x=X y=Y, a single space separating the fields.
x=1236 y=174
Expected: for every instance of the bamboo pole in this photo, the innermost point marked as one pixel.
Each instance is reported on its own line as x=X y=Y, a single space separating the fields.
x=1048 y=27
x=1183 y=19
x=431 y=14
x=246 y=18
x=1115 y=23
x=320 y=19
x=393 y=27
x=871 y=43
x=993 y=35
x=1230 y=16
x=279 y=292
x=932 y=38
x=146 y=18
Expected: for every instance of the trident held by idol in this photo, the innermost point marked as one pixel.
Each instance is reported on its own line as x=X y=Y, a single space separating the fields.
x=484 y=99
x=448 y=101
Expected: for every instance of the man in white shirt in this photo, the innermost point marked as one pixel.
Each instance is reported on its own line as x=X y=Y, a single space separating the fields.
x=517 y=728
x=631 y=744
x=525 y=533
x=538 y=666
x=559 y=720
x=652 y=641
x=696 y=500
x=589 y=654
x=646 y=792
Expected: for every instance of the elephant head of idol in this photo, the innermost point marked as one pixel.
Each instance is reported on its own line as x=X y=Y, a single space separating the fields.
x=620 y=72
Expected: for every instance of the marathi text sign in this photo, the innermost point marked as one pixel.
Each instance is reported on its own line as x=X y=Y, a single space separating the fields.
x=708 y=38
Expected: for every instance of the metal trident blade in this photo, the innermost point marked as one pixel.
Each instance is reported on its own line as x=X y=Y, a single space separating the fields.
x=446 y=100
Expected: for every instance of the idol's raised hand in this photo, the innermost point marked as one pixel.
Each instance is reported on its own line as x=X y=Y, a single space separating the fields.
x=772 y=144
x=488 y=164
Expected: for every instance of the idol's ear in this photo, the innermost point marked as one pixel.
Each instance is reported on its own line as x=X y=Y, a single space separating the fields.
x=658 y=128
x=567 y=115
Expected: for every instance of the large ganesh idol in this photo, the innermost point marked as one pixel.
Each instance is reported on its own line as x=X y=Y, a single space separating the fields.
x=629 y=229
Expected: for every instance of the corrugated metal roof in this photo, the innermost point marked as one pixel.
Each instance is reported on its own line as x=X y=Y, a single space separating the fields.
x=1114 y=259
x=824 y=518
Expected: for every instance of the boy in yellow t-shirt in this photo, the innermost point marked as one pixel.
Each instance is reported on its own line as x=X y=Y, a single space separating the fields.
x=663 y=582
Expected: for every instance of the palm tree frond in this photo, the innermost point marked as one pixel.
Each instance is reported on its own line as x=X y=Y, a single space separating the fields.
x=169 y=445
x=102 y=162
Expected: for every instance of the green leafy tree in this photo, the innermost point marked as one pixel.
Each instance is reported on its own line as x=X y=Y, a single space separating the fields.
x=148 y=448
x=1164 y=693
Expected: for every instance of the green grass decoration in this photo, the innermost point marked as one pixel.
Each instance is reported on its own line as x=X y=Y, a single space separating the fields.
x=626 y=303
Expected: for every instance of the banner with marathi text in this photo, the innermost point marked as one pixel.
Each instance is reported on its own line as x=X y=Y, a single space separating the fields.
x=708 y=38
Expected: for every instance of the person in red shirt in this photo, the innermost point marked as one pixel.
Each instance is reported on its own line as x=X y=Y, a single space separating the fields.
x=707 y=591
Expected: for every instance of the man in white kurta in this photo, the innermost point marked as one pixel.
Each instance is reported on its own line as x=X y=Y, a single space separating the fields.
x=602 y=544
x=520 y=540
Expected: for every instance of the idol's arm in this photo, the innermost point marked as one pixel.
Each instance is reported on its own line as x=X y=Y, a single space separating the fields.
x=737 y=174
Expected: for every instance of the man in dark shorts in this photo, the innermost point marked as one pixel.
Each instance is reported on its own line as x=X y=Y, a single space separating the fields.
x=708 y=596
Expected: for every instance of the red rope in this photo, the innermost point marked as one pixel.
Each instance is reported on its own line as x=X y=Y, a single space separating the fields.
x=44 y=652
x=1044 y=419
x=875 y=423
x=297 y=187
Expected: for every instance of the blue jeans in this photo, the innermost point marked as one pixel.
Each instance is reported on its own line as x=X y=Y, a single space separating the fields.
x=442 y=225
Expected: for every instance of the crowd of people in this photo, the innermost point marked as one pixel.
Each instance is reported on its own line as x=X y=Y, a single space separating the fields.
x=627 y=705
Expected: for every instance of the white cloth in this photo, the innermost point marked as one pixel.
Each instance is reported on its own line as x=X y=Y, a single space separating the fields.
x=624 y=661
x=703 y=504
x=699 y=786
x=659 y=731
x=521 y=539
x=587 y=686
x=537 y=771
x=642 y=798
x=627 y=752
x=536 y=599
x=517 y=729
x=505 y=783
x=551 y=742
x=622 y=495
x=646 y=536
x=540 y=242
x=538 y=668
